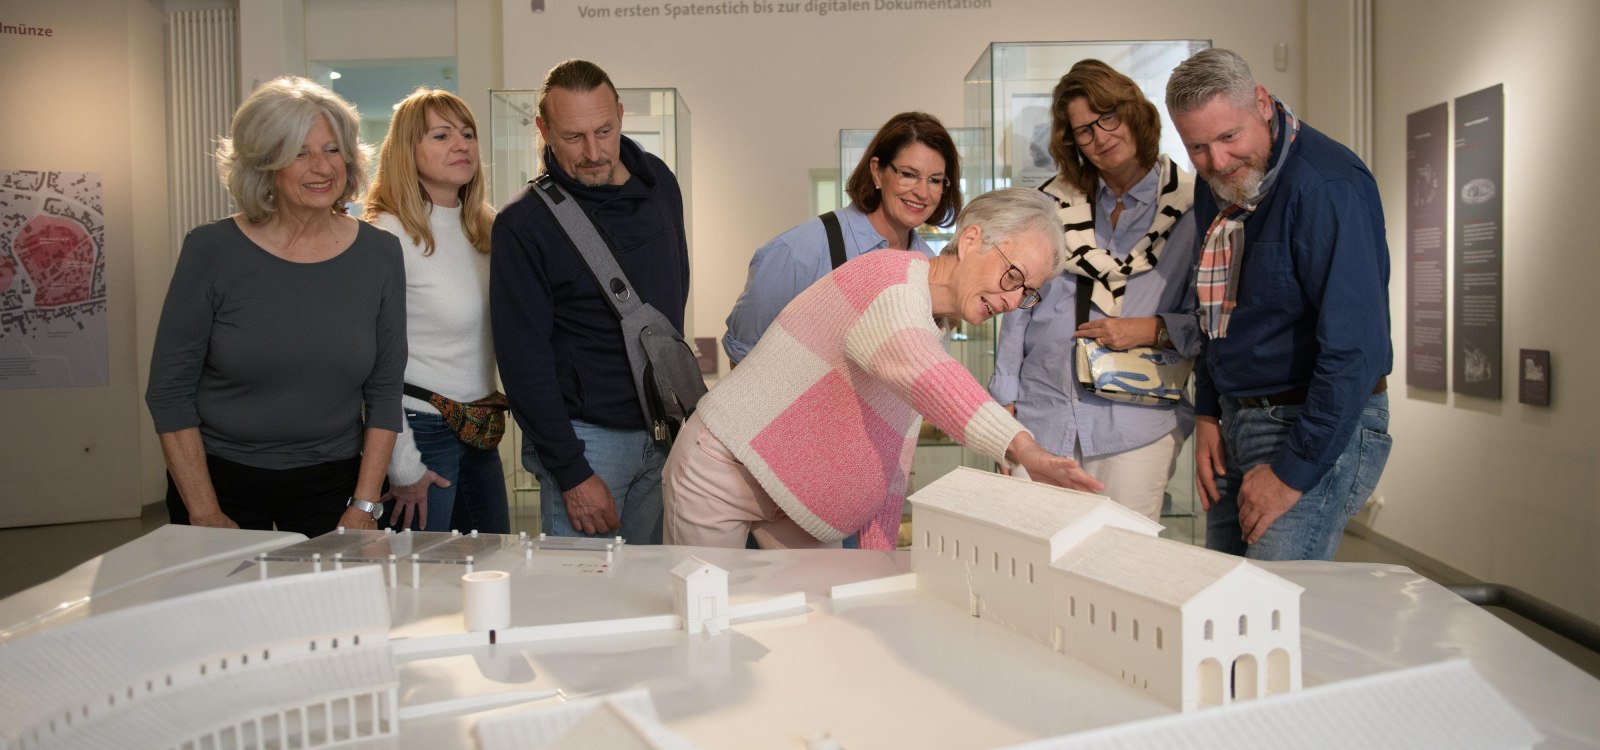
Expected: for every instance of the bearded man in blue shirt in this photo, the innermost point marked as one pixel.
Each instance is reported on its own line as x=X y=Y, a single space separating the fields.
x=1292 y=419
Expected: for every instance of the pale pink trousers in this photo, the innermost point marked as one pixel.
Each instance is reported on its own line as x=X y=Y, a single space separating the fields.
x=711 y=500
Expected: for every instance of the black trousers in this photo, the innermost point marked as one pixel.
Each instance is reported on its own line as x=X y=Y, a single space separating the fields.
x=308 y=500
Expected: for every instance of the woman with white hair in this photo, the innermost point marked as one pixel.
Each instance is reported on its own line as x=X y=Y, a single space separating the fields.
x=810 y=438
x=275 y=381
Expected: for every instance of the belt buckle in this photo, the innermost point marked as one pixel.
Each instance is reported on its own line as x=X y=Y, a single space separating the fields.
x=1255 y=402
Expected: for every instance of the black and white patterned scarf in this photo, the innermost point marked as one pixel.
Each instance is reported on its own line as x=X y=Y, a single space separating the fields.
x=1175 y=196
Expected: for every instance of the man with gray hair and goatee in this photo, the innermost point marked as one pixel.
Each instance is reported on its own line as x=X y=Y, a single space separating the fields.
x=1292 y=420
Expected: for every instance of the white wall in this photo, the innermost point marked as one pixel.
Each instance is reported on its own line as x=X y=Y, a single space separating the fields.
x=90 y=98
x=1506 y=492
x=769 y=93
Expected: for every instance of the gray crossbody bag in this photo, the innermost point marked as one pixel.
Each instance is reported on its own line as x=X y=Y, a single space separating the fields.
x=665 y=371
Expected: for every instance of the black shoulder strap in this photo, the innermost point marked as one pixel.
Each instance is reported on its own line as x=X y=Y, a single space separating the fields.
x=418 y=392
x=573 y=222
x=1085 y=291
x=1085 y=284
x=830 y=222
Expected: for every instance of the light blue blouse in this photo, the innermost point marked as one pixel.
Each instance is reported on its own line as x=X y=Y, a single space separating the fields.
x=792 y=261
x=1035 y=361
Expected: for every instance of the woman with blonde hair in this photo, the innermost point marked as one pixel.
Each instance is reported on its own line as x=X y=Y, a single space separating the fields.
x=276 y=376
x=429 y=191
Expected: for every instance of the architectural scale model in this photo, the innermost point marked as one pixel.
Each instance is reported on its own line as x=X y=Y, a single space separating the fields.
x=700 y=596
x=1091 y=579
x=308 y=660
x=619 y=721
x=298 y=661
x=1432 y=706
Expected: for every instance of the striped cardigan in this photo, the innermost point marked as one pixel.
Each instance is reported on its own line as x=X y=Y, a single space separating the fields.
x=825 y=411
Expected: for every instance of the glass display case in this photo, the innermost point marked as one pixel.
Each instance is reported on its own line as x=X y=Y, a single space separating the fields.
x=1007 y=94
x=658 y=119
x=971 y=144
x=1007 y=100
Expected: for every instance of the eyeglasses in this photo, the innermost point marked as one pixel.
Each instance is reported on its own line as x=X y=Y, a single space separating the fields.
x=1084 y=134
x=906 y=178
x=1013 y=279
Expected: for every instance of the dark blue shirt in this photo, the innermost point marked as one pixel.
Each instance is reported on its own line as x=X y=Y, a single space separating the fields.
x=557 y=341
x=1313 y=302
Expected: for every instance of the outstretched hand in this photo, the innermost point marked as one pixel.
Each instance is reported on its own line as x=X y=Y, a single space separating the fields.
x=1048 y=468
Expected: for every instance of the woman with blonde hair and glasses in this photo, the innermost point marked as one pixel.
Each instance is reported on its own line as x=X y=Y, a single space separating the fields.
x=1131 y=242
x=275 y=381
x=429 y=192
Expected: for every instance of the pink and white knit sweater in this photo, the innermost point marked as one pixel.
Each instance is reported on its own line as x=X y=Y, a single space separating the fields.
x=825 y=411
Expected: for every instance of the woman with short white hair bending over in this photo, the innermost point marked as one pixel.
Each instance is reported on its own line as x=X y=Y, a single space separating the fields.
x=810 y=439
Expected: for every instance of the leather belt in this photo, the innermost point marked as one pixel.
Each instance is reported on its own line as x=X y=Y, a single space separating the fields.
x=1294 y=396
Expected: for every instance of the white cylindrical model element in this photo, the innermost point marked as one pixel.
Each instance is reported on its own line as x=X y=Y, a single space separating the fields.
x=486 y=600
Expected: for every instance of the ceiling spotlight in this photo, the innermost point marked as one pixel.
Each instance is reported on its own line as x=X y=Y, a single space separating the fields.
x=333 y=75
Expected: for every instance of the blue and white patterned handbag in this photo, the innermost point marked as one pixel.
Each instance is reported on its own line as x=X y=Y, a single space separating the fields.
x=1141 y=375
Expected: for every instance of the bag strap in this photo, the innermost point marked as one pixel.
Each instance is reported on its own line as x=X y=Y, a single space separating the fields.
x=1085 y=284
x=830 y=222
x=580 y=231
x=418 y=392
x=1085 y=291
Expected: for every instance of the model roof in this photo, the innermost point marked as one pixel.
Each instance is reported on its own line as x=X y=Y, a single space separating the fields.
x=1029 y=508
x=1160 y=569
x=694 y=565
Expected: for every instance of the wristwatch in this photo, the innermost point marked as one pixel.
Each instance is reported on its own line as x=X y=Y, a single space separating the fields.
x=1163 y=340
x=376 y=509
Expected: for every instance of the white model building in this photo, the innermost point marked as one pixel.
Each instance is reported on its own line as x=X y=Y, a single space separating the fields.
x=299 y=661
x=1090 y=578
x=700 y=596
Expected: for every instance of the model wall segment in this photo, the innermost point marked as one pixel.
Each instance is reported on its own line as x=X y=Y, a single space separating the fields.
x=1164 y=617
x=622 y=720
x=147 y=676
x=1445 y=705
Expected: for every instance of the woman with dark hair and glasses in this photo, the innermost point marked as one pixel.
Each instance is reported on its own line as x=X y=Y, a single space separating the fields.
x=909 y=176
x=810 y=440
x=1131 y=246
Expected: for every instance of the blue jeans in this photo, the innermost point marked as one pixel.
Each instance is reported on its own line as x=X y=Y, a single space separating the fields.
x=476 y=497
x=629 y=462
x=1312 y=528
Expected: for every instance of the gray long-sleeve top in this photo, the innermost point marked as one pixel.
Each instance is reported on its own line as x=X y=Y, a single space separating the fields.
x=273 y=360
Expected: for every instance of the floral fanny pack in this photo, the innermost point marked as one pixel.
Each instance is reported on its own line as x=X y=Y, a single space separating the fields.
x=479 y=424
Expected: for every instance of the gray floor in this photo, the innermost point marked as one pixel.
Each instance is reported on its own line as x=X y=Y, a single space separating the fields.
x=34 y=554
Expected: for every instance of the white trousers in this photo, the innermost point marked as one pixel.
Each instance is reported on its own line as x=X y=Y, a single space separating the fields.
x=1134 y=478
